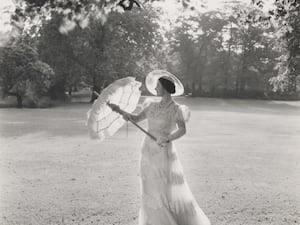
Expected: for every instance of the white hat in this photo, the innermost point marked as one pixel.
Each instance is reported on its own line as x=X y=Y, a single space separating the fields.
x=152 y=78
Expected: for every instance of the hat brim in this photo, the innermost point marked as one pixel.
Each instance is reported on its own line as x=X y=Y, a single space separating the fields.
x=152 y=78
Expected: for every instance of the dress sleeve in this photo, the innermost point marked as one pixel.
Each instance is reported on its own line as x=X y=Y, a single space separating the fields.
x=183 y=113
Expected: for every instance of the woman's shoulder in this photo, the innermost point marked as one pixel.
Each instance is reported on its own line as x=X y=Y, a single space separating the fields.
x=148 y=103
x=177 y=106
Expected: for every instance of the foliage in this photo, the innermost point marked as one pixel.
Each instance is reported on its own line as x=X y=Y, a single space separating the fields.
x=77 y=13
x=196 y=38
x=56 y=49
x=223 y=54
x=101 y=52
x=286 y=18
x=22 y=73
x=241 y=51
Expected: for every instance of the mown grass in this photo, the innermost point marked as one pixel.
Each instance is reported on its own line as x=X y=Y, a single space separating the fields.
x=240 y=158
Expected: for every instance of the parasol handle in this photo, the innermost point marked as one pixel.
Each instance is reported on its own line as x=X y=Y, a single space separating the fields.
x=142 y=129
x=134 y=123
x=117 y=109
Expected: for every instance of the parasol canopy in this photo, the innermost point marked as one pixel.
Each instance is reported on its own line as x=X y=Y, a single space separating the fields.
x=102 y=121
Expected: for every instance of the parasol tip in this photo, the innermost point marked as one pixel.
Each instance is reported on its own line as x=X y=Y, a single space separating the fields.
x=96 y=93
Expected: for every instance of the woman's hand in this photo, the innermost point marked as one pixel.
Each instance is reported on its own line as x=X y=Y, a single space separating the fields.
x=162 y=141
x=114 y=107
x=126 y=116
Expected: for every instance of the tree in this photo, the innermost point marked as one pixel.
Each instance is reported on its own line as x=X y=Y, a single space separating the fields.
x=125 y=40
x=22 y=72
x=254 y=45
x=197 y=40
x=57 y=50
x=100 y=53
x=223 y=53
x=286 y=19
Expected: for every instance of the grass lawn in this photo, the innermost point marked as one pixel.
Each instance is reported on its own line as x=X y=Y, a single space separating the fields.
x=241 y=159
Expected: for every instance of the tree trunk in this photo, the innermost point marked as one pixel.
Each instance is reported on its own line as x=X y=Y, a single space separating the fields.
x=96 y=88
x=57 y=91
x=237 y=85
x=19 y=101
x=225 y=85
x=292 y=84
x=94 y=95
x=227 y=64
x=98 y=79
x=242 y=87
x=70 y=91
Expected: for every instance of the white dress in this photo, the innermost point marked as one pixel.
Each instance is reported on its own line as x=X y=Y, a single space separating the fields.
x=166 y=197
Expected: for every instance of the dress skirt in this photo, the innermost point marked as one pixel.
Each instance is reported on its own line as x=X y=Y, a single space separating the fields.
x=165 y=195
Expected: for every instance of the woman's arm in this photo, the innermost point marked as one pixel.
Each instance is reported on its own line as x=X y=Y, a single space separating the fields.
x=127 y=116
x=135 y=117
x=181 y=130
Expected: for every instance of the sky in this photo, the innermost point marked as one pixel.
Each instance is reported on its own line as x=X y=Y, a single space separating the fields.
x=4 y=16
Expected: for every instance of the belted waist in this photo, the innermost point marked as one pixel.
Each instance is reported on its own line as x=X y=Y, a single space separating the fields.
x=158 y=132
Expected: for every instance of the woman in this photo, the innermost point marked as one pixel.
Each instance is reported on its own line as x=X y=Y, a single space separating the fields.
x=166 y=197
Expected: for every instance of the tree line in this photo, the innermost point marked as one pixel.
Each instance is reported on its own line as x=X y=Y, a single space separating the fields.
x=241 y=51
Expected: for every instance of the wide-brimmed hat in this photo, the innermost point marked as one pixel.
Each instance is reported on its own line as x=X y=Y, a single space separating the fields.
x=152 y=78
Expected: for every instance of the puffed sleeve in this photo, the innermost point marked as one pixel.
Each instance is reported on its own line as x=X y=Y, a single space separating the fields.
x=183 y=113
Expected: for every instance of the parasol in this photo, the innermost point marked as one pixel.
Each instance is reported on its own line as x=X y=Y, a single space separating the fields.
x=104 y=118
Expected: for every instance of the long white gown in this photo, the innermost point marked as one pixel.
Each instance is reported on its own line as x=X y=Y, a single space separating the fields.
x=166 y=197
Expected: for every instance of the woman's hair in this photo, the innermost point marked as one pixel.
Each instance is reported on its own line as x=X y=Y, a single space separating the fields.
x=167 y=84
